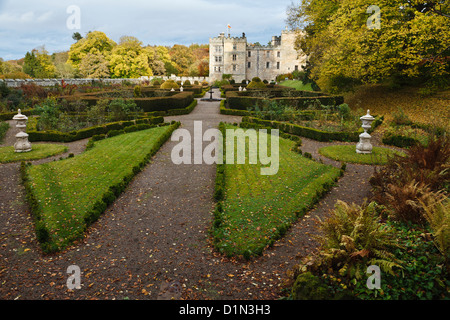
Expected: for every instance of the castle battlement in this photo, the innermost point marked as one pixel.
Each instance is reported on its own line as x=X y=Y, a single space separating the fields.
x=239 y=39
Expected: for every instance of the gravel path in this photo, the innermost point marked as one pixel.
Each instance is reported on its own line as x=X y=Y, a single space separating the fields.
x=153 y=242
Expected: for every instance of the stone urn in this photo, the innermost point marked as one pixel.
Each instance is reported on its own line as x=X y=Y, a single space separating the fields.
x=22 y=144
x=364 y=146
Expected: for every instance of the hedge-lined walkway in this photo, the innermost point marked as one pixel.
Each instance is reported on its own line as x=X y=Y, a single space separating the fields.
x=152 y=243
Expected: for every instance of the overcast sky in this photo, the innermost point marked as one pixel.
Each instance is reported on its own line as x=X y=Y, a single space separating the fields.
x=28 y=24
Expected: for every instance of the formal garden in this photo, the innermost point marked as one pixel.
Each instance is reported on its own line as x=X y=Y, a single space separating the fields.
x=402 y=228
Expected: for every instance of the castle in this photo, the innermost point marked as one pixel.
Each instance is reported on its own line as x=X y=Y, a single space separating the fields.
x=234 y=56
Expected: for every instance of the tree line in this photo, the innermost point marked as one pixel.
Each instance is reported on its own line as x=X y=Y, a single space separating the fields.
x=97 y=56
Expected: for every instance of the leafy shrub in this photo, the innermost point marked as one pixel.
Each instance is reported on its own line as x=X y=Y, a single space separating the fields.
x=170 y=84
x=48 y=112
x=187 y=83
x=120 y=109
x=309 y=287
x=137 y=92
x=407 y=202
x=256 y=83
x=344 y=111
x=425 y=165
x=437 y=213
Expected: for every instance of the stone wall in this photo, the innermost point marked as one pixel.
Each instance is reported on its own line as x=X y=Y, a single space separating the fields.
x=52 y=82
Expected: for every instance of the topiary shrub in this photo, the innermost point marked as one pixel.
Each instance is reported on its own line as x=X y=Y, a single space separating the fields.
x=170 y=84
x=256 y=84
x=187 y=83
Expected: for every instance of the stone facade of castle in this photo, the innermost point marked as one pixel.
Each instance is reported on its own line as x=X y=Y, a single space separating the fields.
x=233 y=55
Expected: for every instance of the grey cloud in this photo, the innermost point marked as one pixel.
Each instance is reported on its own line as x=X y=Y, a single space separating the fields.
x=27 y=24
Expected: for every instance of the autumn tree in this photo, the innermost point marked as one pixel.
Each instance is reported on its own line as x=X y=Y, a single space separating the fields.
x=412 y=43
x=63 y=69
x=130 y=60
x=183 y=58
x=94 y=66
x=39 y=64
x=95 y=42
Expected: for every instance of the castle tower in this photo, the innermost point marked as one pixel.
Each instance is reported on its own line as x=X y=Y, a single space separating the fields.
x=227 y=55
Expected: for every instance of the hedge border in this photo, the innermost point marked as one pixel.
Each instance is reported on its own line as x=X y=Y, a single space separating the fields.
x=238 y=101
x=57 y=136
x=178 y=100
x=98 y=208
x=311 y=133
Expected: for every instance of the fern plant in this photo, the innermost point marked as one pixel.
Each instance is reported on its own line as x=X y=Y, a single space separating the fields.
x=353 y=238
x=437 y=213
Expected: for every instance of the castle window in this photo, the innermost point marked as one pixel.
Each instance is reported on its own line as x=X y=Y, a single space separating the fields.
x=234 y=47
x=218 y=49
x=249 y=64
x=296 y=68
x=249 y=54
x=278 y=65
x=278 y=54
x=234 y=57
x=218 y=58
x=267 y=65
x=234 y=67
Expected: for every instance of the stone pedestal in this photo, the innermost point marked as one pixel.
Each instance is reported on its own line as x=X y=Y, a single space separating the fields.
x=22 y=144
x=364 y=146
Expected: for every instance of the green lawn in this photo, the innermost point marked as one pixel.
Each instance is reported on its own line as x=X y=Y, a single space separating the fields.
x=39 y=151
x=347 y=153
x=298 y=85
x=67 y=191
x=258 y=209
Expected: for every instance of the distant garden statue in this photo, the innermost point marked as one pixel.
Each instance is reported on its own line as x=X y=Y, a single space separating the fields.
x=364 y=146
x=22 y=144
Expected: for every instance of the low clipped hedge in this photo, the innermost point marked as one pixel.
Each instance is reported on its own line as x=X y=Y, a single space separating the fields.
x=239 y=100
x=233 y=112
x=57 y=136
x=178 y=100
x=399 y=141
x=306 y=132
x=10 y=115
